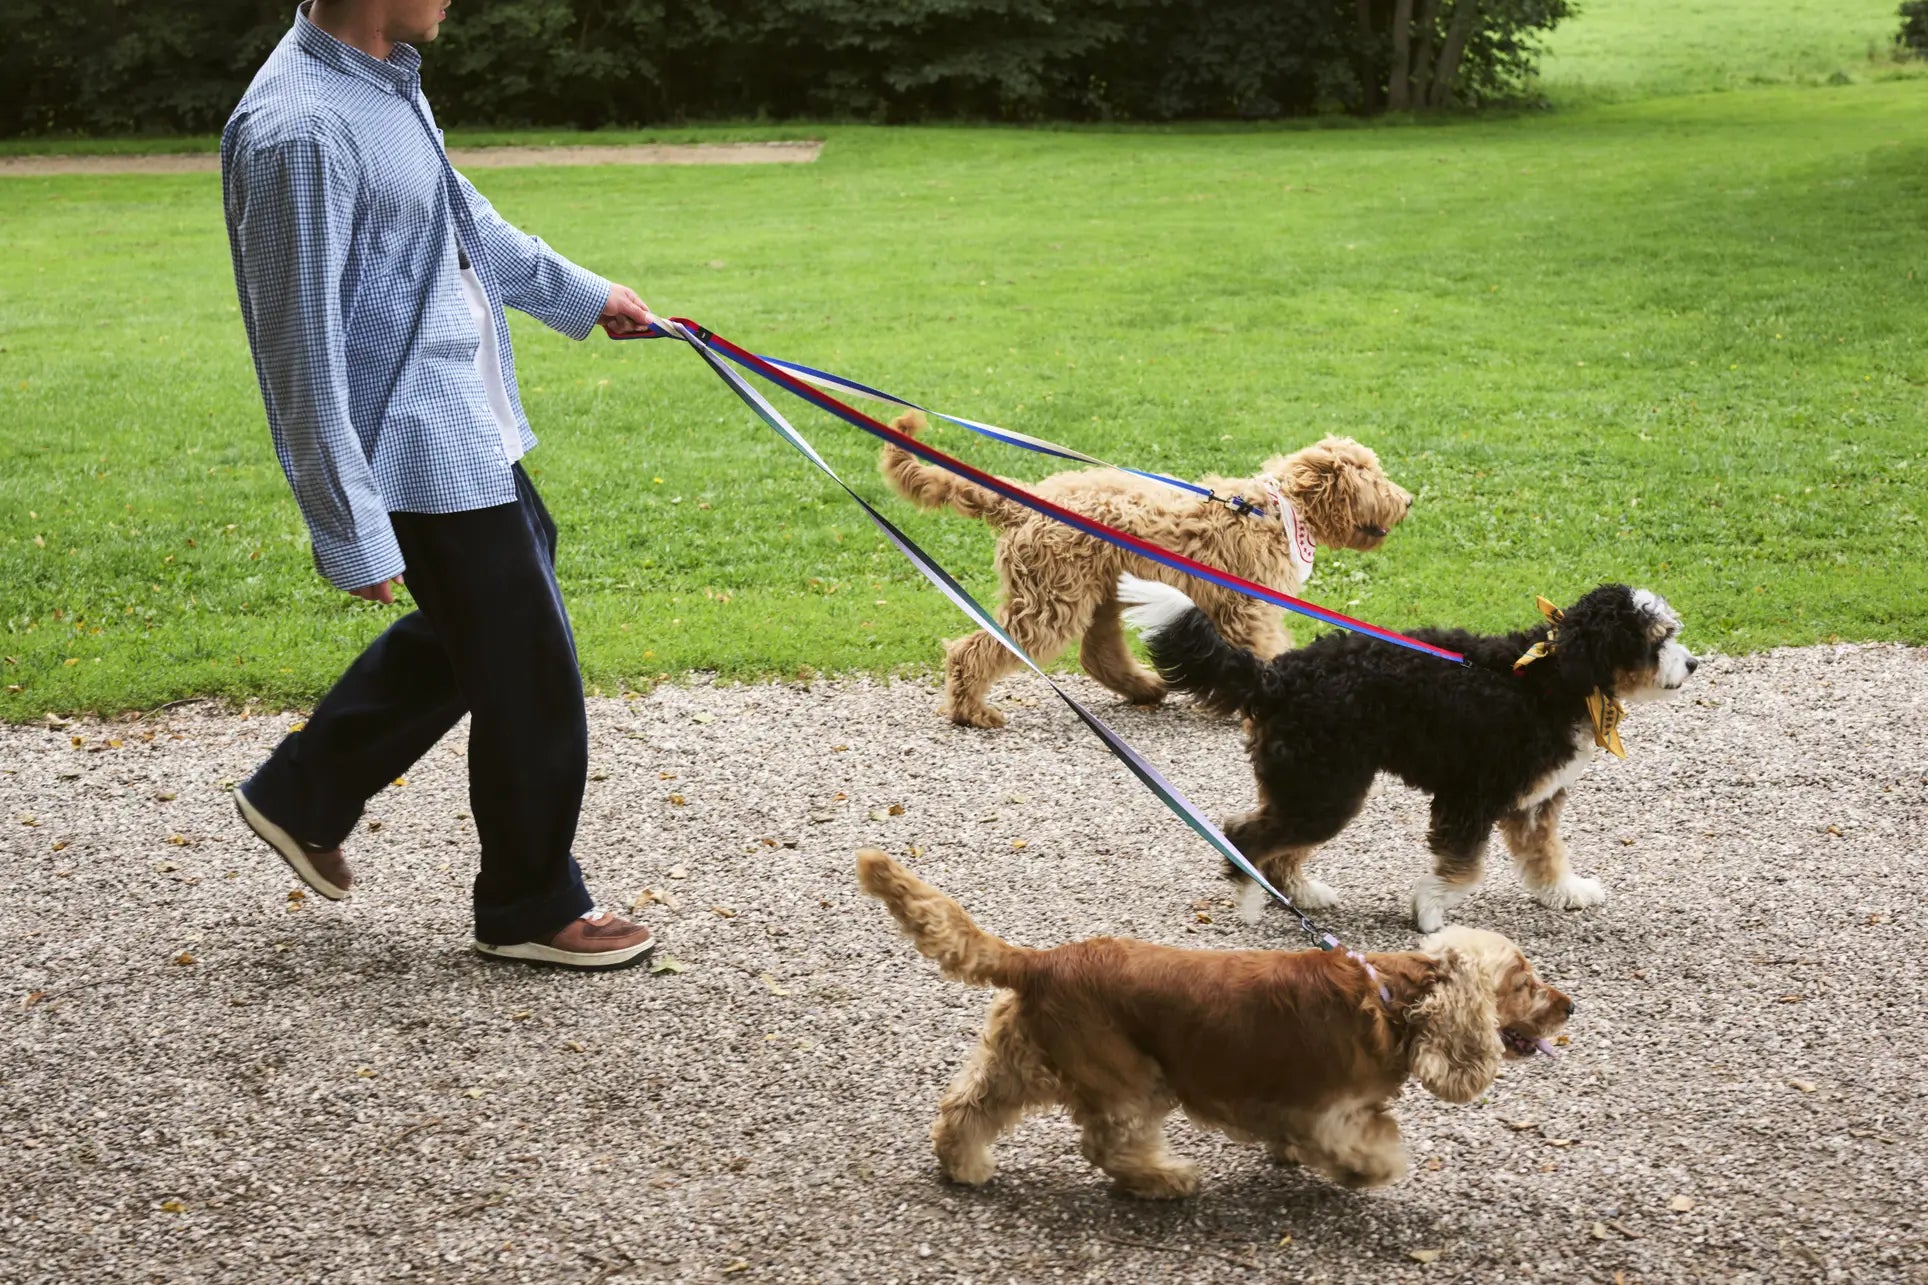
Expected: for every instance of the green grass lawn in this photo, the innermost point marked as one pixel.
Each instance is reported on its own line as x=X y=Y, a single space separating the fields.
x=1673 y=341
x=1616 y=49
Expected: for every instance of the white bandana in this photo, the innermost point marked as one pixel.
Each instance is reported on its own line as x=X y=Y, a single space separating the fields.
x=1299 y=544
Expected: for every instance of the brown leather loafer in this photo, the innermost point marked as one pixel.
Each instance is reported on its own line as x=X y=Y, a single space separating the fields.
x=323 y=869
x=599 y=939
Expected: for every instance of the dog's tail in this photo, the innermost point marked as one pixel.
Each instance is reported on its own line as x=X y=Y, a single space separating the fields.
x=939 y=926
x=1187 y=649
x=930 y=487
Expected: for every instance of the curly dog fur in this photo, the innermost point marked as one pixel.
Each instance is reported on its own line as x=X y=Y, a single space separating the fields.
x=1297 y=1051
x=1491 y=745
x=1060 y=584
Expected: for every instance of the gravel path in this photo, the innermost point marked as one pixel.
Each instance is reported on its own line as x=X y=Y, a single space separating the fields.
x=203 y=1080
x=468 y=158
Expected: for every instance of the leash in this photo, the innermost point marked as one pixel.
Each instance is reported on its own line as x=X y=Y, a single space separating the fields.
x=709 y=343
x=701 y=342
x=1010 y=437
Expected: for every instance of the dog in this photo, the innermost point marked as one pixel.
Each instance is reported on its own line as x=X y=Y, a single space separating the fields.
x=1304 y=1052
x=1496 y=741
x=1060 y=584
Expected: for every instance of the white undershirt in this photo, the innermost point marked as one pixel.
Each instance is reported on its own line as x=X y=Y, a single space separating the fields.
x=488 y=364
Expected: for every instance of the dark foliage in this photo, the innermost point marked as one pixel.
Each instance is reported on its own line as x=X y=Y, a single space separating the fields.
x=1913 y=35
x=179 y=65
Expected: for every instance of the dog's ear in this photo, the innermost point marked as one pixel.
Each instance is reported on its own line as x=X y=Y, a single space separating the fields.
x=1601 y=636
x=1456 y=1038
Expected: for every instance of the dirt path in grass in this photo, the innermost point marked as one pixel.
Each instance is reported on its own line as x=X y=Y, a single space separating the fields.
x=467 y=158
x=202 y=1080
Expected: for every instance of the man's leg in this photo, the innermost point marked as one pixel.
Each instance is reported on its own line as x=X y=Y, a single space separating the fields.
x=485 y=579
x=389 y=709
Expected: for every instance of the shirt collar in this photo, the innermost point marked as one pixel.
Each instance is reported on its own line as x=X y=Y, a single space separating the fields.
x=399 y=71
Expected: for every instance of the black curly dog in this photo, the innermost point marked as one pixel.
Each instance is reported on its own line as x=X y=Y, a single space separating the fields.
x=1491 y=745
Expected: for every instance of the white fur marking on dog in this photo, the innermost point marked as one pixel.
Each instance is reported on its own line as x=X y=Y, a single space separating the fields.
x=1252 y=901
x=1433 y=897
x=1564 y=776
x=1571 y=892
x=1152 y=607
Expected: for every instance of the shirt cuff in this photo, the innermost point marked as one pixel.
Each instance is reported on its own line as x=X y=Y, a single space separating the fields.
x=357 y=561
x=578 y=302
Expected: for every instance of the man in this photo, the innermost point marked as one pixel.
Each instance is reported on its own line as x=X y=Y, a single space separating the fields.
x=372 y=280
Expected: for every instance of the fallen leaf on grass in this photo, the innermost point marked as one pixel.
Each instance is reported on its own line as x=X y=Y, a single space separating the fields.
x=33 y=999
x=173 y=1207
x=1681 y=1204
x=668 y=965
x=178 y=840
x=679 y=872
x=1019 y=843
x=819 y=818
x=771 y=982
x=364 y=1072
x=1424 y=1255
x=1598 y=1231
x=165 y=867
x=472 y=1093
x=1520 y=1126
x=878 y=814
x=722 y=912
x=1805 y=1086
x=59 y=845
x=702 y=718
x=185 y=958
x=165 y=796
x=677 y=800
x=575 y=1046
x=1560 y=1142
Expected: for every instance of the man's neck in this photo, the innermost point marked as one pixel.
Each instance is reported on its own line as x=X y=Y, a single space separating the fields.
x=354 y=24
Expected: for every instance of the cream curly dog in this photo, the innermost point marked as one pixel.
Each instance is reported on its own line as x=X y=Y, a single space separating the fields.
x=1060 y=584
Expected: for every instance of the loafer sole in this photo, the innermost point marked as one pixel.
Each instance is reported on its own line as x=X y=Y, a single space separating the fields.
x=534 y=952
x=287 y=846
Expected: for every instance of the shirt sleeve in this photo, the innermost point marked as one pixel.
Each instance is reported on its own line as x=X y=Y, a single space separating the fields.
x=534 y=278
x=292 y=221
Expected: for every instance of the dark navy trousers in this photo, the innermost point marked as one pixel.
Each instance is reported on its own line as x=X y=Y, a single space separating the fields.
x=489 y=638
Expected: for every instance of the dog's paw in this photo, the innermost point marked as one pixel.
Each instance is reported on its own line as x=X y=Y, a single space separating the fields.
x=1571 y=892
x=972 y=715
x=970 y=1170
x=1174 y=1182
x=1311 y=894
x=1433 y=898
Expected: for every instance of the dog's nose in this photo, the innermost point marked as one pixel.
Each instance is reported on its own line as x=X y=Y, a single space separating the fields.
x=1692 y=664
x=1409 y=503
x=1569 y=1008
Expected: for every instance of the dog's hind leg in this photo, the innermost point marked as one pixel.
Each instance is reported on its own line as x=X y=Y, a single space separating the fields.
x=1105 y=657
x=1458 y=837
x=971 y=665
x=1037 y=621
x=1280 y=840
x=1005 y=1076
x=1533 y=837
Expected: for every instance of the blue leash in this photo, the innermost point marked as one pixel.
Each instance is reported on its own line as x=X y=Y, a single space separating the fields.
x=1168 y=794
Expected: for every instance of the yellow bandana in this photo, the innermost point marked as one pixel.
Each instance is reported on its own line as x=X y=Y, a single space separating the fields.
x=1542 y=649
x=1606 y=711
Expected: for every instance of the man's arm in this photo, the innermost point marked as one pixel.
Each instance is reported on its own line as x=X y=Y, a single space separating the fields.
x=536 y=280
x=291 y=221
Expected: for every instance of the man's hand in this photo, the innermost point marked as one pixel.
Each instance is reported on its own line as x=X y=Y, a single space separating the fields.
x=624 y=314
x=378 y=592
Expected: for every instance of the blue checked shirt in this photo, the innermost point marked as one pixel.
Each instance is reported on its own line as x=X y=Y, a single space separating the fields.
x=346 y=223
